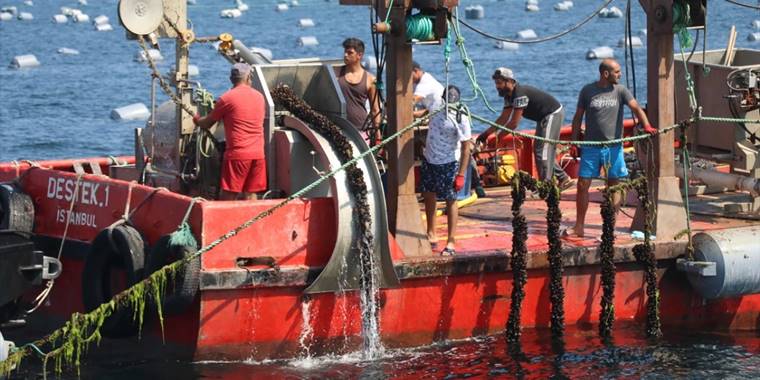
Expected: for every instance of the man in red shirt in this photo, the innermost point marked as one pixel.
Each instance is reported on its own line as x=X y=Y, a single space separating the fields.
x=242 y=110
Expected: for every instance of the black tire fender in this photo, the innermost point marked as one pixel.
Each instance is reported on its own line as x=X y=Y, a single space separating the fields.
x=183 y=288
x=118 y=247
x=16 y=209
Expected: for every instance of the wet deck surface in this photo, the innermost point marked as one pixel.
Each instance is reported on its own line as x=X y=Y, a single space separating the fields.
x=486 y=226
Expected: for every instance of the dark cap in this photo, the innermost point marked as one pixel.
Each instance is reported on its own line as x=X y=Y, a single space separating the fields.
x=416 y=65
x=240 y=70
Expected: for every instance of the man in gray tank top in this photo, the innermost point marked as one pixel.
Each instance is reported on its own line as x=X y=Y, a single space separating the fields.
x=602 y=103
x=358 y=86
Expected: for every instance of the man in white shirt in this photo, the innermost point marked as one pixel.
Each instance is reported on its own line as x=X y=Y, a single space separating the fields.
x=445 y=163
x=425 y=85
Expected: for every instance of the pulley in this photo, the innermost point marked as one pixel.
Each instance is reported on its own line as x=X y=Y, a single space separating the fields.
x=141 y=17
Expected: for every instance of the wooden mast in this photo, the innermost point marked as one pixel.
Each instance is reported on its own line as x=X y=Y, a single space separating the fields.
x=404 y=216
x=667 y=199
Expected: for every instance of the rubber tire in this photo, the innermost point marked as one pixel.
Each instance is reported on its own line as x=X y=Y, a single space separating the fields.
x=16 y=209
x=181 y=292
x=127 y=250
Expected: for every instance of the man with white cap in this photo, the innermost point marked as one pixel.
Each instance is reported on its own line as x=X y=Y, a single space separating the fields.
x=533 y=104
x=242 y=110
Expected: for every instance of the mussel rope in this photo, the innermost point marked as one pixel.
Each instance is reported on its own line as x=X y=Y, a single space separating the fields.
x=551 y=193
x=517 y=263
x=285 y=96
x=644 y=254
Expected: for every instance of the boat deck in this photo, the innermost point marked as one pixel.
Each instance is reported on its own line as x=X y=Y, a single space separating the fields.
x=485 y=227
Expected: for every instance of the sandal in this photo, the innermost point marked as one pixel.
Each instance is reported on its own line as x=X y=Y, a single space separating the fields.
x=448 y=252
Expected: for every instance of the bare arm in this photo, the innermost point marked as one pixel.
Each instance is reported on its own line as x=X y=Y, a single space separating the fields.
x=506 y=113
x=464 y=157
x=516 y=117
x=206 y=122
x=639 y=112
x=374 y=100
x=577 y=120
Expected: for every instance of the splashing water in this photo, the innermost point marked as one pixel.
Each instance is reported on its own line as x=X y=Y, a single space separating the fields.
x=369 y=295
x=306 y=330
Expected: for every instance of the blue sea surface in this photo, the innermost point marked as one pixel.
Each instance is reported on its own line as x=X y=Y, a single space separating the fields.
x=61 y=109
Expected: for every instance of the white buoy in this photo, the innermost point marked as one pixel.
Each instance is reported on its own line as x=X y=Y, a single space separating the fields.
x=562 y=7
x=527 y=34
x=103 y=27
x=754 y=37
x=294 y=3
x=5 y=16
x=82 y=2
x=266 y=53
x=66 y=11
x=68 y=51
x=612 y=12
x=635 y=42
x=24 y=61
x=241 y=6
x=29 y=3
x=10 y=9
x=282 y=7
x=230 y=13
x=71 y=12
x=81 y=18
x=474 y=12
x=504 y=45
x=25 y=16
x=102 y=19
x=60 y=19
x=155 y=55
x=308 y=41
x=136 y=111
x=306 y=23
x=532 y=8
x=756 y=24
x=600 y=52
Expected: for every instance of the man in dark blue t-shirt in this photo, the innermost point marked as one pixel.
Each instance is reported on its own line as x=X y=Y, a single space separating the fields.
x=533 y=104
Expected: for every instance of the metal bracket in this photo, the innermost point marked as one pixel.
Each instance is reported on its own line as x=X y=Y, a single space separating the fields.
x=702 y=268
x=50 y=267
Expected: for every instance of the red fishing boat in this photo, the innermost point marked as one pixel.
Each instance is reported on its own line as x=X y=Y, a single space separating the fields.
x=286 y=283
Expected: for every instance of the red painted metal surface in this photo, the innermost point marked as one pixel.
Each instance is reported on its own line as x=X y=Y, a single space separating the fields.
x=266 y=321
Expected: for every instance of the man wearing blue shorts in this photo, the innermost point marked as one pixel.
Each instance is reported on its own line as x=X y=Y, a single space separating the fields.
x=602 y=103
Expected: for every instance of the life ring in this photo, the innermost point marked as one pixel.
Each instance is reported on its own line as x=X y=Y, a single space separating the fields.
x=16 y=209
x=119 y=247
x=181 y=290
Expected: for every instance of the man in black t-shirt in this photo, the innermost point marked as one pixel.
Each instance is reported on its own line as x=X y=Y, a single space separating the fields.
x=529 y=102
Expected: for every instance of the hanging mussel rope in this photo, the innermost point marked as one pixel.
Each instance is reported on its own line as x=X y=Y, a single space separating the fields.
x=520 y=181
x=645 y=255
x=285 y=97
x=607 y=252
x=551 y=193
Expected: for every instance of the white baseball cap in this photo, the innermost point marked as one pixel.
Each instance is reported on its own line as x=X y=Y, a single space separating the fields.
x=503 y=73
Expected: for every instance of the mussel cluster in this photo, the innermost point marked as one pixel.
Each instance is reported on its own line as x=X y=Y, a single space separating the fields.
x=285 y=97
x=645 y=255
x=550 y=192
x=520 y=183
